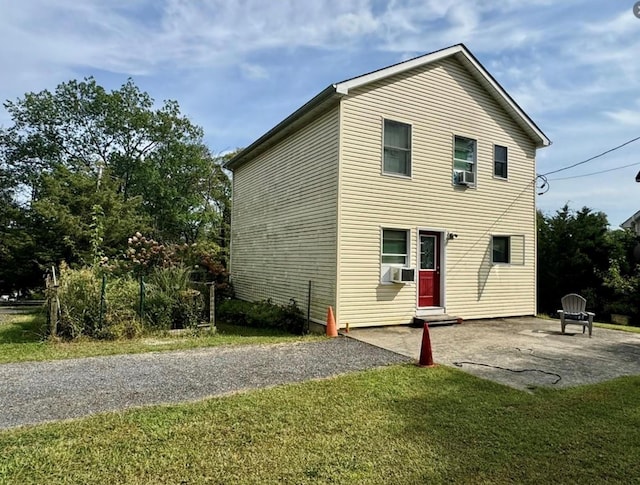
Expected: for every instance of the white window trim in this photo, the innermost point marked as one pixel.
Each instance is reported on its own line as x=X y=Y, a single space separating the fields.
x=454 y=159
x=499 y=177
x=393 y=174
x=384 y=267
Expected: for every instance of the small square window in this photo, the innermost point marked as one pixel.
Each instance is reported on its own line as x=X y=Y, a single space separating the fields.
x=500 y=249
x=397 y=148
x=500 y=161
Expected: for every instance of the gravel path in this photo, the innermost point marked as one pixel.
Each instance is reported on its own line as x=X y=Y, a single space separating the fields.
x=36 y=392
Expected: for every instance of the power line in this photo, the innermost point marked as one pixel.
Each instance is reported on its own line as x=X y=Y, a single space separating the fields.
x=596 y=173
x=594 y=157
x=543 y=189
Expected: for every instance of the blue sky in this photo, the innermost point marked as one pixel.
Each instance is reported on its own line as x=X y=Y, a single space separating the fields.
x=237 y=67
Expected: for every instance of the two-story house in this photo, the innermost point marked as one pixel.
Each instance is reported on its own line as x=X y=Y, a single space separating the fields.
x=408 y=191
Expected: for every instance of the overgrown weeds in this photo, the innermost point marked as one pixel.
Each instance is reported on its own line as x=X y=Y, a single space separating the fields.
x=263 y=314
x=123 y=307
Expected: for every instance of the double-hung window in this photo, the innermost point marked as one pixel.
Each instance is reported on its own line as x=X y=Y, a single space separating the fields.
x=500 y=161
x=394 y=246
x=397 y=148
x=395 y=251
x=464 y=160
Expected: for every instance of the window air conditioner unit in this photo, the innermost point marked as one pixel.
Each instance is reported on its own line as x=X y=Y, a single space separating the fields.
x=465 y=178
x=403 y=275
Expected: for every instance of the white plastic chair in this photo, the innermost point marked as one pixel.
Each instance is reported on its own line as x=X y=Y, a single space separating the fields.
x=574 y=312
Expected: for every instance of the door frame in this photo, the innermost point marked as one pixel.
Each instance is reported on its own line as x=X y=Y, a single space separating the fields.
x=442 y=248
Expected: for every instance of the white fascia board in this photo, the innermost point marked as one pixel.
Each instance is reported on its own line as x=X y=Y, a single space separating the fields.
x=356 y=82
x=459 y=49
x=544 y=141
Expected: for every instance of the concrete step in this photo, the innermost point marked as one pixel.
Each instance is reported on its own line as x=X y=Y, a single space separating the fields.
x=433 y=320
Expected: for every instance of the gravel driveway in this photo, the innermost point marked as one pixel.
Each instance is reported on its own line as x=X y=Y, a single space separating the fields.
x=36 y=392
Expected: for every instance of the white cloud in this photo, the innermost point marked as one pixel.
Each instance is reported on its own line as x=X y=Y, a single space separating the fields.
x=253 y=71
x=625 y=116
x=572 y=66
x=123 y=37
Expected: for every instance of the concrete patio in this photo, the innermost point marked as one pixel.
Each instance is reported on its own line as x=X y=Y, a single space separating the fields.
x=522 y=352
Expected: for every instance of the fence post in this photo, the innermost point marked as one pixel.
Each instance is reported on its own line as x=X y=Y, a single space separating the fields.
x=51 y=306
x=54 y=303
x=53 y=330
x=212 y=305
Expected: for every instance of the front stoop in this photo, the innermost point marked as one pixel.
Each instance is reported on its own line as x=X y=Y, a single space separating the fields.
x=443 y=319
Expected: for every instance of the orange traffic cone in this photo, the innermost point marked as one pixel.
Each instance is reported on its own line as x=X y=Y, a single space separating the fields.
x=332 y=330
x=426 y=357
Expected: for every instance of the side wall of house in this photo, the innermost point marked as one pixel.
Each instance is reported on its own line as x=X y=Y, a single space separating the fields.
x=439 y=101
x=283 y=222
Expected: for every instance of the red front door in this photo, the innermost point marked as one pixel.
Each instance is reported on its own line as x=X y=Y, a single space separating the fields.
x=429 y=270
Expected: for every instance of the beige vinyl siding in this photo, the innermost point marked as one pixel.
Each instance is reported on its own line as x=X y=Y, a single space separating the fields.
x=439 y=100
x=283 y=230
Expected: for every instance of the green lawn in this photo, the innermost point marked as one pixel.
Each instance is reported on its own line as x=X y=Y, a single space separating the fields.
x=623 y=328
x=610 y=326
x=21 y=339
x=400 y=424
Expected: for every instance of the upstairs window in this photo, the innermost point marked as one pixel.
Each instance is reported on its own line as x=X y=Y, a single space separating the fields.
x=500 y=161
x=397 y=148
x=464 y=161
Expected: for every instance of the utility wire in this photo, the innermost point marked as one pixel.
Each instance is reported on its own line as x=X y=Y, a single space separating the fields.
x=543 y=189
x=596 y=173
x=594 y=157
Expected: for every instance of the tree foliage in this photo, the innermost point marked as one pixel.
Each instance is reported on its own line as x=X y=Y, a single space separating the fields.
x=578 y=253
x=82 y=164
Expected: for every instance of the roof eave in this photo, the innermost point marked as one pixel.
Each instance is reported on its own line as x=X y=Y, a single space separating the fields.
x=318 y=102
x=336 y=91
x=462 y=53
x=633 y=218
x=536 y=133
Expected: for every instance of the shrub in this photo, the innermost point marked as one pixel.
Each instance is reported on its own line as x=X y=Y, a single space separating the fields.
x=170 y=302
x=187 y=309
x=121 y=301
x=293 y=319
x=158 y=308
x=262 y=314
x=625 y=289
x=79 y=295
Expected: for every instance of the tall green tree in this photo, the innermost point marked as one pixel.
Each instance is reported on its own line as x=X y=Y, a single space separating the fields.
x=576 y=250
x=572 y=252
x=81 y=155
x=17 y=264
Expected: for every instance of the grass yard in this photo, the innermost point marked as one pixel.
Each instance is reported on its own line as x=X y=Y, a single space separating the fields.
x=610 y=326
x=623 y=328
x=400 y=424
x=21 y=340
